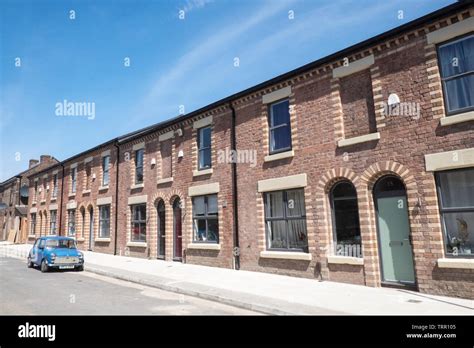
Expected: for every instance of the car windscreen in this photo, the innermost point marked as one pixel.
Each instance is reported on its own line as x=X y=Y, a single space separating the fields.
x=60 y=243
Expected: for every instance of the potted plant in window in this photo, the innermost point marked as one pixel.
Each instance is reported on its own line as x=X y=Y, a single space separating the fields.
x=462 y=240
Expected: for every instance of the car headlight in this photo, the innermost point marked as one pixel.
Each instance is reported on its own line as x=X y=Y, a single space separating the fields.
x=53 y=255
x=81 y=255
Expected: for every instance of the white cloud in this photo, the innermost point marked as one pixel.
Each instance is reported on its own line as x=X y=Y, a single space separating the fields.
x=195 y=4
x=200 y=55
x=202 y=64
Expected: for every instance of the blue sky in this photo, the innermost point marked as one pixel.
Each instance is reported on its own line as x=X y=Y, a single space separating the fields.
x=173 y=61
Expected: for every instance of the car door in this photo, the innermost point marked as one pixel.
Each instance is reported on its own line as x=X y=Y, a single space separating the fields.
x=40 y=251
x=34 y=251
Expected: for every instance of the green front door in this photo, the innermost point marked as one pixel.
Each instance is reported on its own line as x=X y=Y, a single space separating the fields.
x=394 y=237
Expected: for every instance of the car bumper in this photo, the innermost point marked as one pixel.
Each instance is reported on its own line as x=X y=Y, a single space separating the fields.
x=66 y=265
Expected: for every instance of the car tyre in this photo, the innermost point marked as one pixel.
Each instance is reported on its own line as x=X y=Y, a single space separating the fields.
x=44 y=266
x=79 y=268
x=29 y=264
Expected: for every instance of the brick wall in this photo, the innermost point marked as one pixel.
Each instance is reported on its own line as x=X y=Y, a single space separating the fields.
x=182 y=179
x=405 y=67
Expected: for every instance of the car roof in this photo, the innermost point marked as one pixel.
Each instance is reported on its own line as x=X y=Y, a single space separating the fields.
x=56 y=238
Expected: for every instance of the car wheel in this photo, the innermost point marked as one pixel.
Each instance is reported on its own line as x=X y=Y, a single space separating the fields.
x=44 y=266
x=29 y=264
x=80 y=268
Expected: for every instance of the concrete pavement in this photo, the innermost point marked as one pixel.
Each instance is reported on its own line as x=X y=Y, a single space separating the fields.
x=85 y=293
x=267 y=293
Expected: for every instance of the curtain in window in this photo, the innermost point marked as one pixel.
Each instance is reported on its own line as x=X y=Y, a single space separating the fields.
x=275 y=204
x=457 y=209
x=277 y=235
x=457 y=58
x=457 y=188
x=297 y=234
x=295 y=203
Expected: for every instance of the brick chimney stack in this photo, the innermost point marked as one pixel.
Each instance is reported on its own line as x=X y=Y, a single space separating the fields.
x=44 y=158
x=33 y=162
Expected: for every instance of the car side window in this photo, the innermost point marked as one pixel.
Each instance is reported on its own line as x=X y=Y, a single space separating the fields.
x=41 y=244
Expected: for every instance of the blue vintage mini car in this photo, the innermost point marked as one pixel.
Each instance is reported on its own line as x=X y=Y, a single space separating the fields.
x=55 y=252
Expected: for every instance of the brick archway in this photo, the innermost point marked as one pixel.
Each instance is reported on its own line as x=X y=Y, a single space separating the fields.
x=168 y=197
x=367 y=213
x=152 y=230
x=82 y=225
x=323 y=212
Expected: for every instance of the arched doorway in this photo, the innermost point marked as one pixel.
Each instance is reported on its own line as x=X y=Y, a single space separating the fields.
x=393 y=227
x=91 y=227
x=83 y=222
x=40 y=225
x=177 y=231
x=160 y=210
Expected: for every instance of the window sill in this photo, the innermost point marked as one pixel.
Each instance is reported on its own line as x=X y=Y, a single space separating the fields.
x=137 y=244
x=34 y=203
x=288 y=255
x=53 y=199
x=136 y=186
x=102 y=240
x=43 y=201
x=202 y=172
x=72 y=195
x=85 y=192
x=279 y=156
x=459 y=118
x=80 y=239
x=204 y=246
x=345 y=260
x=164 y=181
x=31 y=236
x=456 y=263
x=103 y=188
x=359 y=139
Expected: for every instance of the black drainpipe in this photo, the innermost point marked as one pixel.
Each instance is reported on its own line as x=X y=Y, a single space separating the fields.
x=60 y=207
x=233 y=144
x=116 y=196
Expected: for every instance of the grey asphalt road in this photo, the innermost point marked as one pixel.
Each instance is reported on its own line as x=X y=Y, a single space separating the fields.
x=27 y=291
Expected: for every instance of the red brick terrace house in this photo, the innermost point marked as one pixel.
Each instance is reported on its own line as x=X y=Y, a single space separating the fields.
x=14 y=194
x=76 y=198
x=358 y=167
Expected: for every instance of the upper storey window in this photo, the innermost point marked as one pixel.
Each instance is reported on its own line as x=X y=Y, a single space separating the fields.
x=456 y=60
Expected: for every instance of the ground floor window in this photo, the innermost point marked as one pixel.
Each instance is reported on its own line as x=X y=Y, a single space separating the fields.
x=33 y=224
x=285 y=220
x=345 y=216
x=456 y=202
x=205 y=219
x=52 y=222
x=138 y=223
x=71 y=222
x=104 y=221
